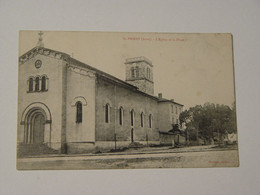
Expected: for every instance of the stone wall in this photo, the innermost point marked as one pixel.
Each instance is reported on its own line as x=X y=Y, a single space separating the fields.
x=80 y=88
x=143 y=85
x=170 y=139
x=51 y=67
x=165 y=120
x=176 y=109
x=142 y=81
x=117 y=96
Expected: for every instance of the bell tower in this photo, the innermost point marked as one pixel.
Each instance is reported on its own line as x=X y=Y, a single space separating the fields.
x=139 y=72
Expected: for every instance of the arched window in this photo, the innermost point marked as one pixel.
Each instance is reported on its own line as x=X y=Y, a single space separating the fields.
x=150 y=121
x=137 y=71
x=133 y=72
x=43 y=83
x=132 y=117
x=142 y=119
x=79 y=112
x=121 y=115
x=31 y=84
x=37 y=84
x=107 y=113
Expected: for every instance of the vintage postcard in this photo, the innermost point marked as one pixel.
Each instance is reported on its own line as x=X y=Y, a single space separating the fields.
x=118 y=100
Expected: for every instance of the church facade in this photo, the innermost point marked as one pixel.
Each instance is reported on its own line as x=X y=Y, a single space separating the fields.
x=72 y=107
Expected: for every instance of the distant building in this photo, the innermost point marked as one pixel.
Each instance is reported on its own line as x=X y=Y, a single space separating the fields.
x=70 y=106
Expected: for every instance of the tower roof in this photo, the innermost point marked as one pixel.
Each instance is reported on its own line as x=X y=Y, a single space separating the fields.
x=138 y=59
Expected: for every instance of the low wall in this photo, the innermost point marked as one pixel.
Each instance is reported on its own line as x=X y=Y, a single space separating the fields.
x=102 y=146
x=168 y=139
x=80 y=147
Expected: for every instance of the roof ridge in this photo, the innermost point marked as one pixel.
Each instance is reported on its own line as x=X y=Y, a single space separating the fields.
x=61 y=55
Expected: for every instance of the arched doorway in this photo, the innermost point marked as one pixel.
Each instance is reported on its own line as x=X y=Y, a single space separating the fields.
x=38 y=128
x=35 y=126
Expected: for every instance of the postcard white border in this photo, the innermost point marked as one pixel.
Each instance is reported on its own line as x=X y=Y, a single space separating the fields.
x=238 y=17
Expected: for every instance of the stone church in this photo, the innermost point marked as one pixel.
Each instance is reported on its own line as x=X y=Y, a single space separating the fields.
x=72 y=107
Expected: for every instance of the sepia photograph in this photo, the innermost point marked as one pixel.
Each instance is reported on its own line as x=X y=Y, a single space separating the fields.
x=130 y=97
x=125 y=100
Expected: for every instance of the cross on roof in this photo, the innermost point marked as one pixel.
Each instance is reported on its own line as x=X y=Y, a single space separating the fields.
x=40 y=43
x=40 y=33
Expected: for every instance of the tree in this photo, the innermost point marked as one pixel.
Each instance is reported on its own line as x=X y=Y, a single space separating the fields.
x=175 y=127
x=231 y=124
x=191 y=120
x=184 y=117
x=210 y=121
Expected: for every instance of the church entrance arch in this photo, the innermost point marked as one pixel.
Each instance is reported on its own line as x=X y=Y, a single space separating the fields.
x=37 y=124
x=38 y=128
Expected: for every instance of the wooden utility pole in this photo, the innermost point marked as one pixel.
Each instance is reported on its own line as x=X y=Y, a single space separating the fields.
x=115 y=115
x=148 y=120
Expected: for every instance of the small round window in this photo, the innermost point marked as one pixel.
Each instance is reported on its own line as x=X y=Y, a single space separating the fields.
x=38 y=63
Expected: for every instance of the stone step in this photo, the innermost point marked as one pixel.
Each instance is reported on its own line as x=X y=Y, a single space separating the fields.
x=24 y=150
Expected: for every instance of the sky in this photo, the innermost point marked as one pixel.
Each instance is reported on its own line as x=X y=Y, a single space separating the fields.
x=192 y=69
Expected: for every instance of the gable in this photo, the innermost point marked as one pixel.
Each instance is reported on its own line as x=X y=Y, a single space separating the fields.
x=42 y=51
